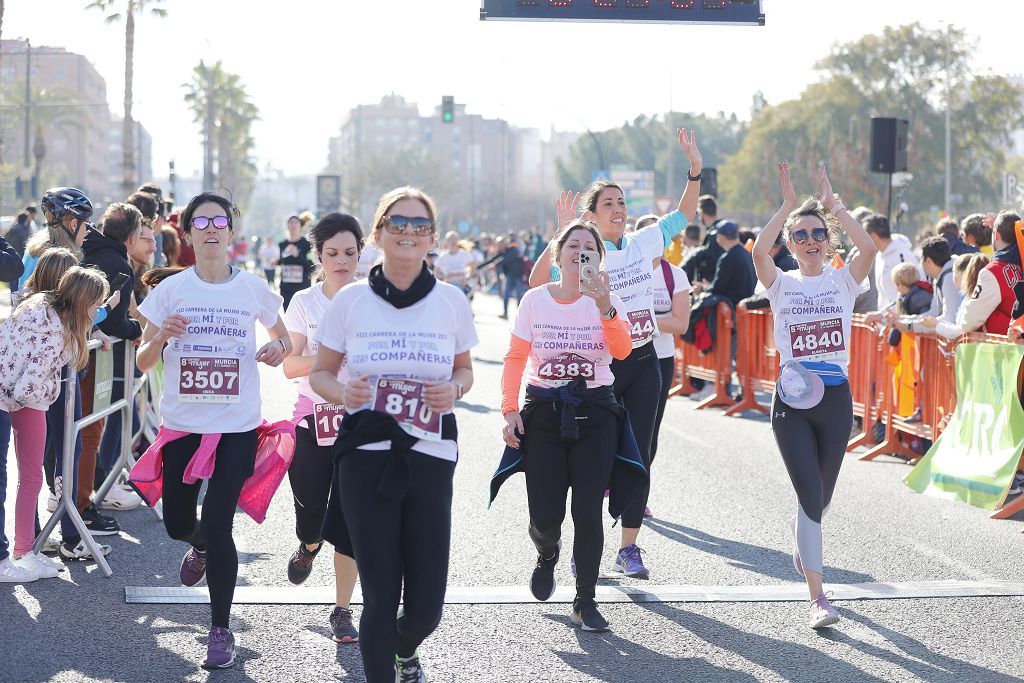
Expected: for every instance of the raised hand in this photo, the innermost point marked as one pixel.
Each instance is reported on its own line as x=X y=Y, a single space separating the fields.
x=826 y=197
x=566 y=207
x=788 y=193
x=689 y=146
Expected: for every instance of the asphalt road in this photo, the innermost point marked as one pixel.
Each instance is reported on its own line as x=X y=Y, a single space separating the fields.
x=721 y=498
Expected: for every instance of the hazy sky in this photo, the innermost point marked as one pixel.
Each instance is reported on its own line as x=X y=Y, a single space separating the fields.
x=310 y=61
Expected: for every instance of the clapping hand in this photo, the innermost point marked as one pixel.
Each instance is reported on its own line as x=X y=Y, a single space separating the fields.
x=786 y=181
x=566 y=207
x=689 y=146
x=826 y=197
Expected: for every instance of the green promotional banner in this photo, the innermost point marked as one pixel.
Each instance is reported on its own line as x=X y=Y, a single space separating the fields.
x=104 y=380
x=974 y=459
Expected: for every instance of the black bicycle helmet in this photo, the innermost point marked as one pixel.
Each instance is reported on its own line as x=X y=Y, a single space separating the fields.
x=65 y=201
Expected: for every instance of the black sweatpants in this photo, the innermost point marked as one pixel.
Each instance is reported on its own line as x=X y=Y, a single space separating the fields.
x=310 y=475
x=236 y=458
x=638 y=387
x=554 y=464
x=668 y=367
x=397 y=542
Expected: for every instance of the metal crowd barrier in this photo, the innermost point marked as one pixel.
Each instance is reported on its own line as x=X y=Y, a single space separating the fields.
x=67 y=504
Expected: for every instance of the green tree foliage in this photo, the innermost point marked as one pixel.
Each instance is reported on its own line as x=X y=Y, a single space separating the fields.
x=900 y=73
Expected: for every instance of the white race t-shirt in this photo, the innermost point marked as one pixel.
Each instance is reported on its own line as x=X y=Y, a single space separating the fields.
x=368 y=258
x=416 y=343
x=812 y=315
x=629 y=271
x=665 y=344
x=307 y=308
x=566 y=340
x=268 y=255
x=211 y=383
x=453 y=266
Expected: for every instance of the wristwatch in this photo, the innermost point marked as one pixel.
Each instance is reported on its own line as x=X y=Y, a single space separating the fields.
x=459 y=389
x=610 y=314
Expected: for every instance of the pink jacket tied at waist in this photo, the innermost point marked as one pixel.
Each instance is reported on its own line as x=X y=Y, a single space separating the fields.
x=275 y=446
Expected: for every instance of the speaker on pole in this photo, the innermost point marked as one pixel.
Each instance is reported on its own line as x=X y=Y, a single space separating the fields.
x=888 y=145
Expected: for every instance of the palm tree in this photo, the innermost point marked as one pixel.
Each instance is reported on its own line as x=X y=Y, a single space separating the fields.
x=130 y=8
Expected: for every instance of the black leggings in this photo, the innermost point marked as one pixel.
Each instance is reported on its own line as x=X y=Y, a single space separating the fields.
x=236 y=457
x=668 y=368
x=398 y=543
x=638 y=387
x=813 y=443
x=310 y=475
x=554 y=464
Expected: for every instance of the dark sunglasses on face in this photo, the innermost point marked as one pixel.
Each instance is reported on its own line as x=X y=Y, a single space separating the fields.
x=817 y=234
x=219 y=222
x=399 y=225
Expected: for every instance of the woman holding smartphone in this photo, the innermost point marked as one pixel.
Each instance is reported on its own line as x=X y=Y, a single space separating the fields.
x=565 y=336
x=628 y=264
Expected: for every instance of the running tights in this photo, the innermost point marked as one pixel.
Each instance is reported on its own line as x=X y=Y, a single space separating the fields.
x=310 y=475
x=236 y=457
x=554 y=464
x=638 y=388
x=400 y=541
x=668 y=372
x=813 y=443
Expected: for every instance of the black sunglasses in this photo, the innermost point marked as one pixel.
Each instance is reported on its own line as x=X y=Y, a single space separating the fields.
x=801 y=236
x=399 y=225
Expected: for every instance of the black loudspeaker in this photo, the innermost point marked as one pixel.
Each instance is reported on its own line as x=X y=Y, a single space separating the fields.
x=709 y=181
x=888 y=145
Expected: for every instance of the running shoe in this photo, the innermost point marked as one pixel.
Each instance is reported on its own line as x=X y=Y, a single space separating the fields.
x=42 y=566
x=542 y=581
x=193 y=568
x=1017 y=485
x=51 y=502
x=220 y=649
x=78 y=551
x=647 y=511
x=301 y=563
x=341 y=626
x=50 y=546
x=409 y=670
x=99 y=525
x=822 y=612
x=797 y=564
x=119 y=500
x=11 y=572
x=585 y=615
x=629 y=564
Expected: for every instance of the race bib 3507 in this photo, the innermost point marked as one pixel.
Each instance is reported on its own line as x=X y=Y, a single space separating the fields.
x=208 y=380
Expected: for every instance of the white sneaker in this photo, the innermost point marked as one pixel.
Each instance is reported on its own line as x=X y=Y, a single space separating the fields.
x=56 y=564
x=42 y=568
x=120 y=500
x=10 y=572
x=50 y=546
x=51 y=503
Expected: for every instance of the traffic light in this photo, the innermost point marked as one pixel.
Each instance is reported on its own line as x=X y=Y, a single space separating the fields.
x=447 y=108
x=745 y=12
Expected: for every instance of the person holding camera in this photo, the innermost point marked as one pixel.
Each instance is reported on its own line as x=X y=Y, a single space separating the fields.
x=565 y=336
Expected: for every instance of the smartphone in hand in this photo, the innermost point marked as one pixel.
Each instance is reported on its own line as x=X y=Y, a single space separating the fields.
x=118 y=282
x=590 y=266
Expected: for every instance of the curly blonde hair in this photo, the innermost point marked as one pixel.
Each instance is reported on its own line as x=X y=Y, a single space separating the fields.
x=813 y=207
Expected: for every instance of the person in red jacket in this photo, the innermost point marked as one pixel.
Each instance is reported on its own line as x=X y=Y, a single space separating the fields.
x=991 y=304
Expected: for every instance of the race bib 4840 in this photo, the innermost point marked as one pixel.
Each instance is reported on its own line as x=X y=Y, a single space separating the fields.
x=208 y=380
x=817 y=338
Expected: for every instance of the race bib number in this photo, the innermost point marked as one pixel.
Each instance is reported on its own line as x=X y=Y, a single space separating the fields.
x=402 y=399
x=817 y=338
x=292 y=274
x=566 y=366
x=208 y=380
x=641 y=326
x=327 y=419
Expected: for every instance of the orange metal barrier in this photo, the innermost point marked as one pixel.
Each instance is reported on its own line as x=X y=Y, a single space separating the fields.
x=867 y=355
x=713 y=367
x=757 y=358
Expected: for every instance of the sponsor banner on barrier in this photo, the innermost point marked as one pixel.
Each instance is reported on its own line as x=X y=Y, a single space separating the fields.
x=974 y=459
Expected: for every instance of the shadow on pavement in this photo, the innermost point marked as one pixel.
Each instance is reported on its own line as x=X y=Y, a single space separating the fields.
x=347 y=656
x=611 y=658
x=754 y=558
x=919 y=659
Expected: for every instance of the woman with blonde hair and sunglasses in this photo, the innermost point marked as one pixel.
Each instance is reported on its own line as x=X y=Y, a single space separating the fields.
x=405 y=338
x=812 y=411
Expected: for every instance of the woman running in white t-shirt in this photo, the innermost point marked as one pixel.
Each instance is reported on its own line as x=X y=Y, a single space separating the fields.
x=812 y=411
x=336 y=240
x=405 y=338
x=202 y=321
x=628 y=264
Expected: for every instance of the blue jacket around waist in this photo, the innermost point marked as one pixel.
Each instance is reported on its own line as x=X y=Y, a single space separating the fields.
x=629 y=474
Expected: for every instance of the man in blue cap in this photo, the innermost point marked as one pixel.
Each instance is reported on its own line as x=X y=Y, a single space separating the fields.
x=734 y=273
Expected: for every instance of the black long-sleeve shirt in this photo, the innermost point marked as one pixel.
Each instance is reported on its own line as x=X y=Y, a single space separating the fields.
x=11 y=266
x=735 y=278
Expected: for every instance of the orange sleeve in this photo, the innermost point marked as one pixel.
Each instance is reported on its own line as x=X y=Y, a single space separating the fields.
x=512 y=373
x=616 y=334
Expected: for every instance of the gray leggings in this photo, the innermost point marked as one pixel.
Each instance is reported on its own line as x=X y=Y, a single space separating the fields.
x=812 y=443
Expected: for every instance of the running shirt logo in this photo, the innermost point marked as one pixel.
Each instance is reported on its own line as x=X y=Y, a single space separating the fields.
x=566 y=366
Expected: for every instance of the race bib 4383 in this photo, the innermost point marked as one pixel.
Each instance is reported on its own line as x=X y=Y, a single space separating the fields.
x=208 y=380
x=566 y=366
